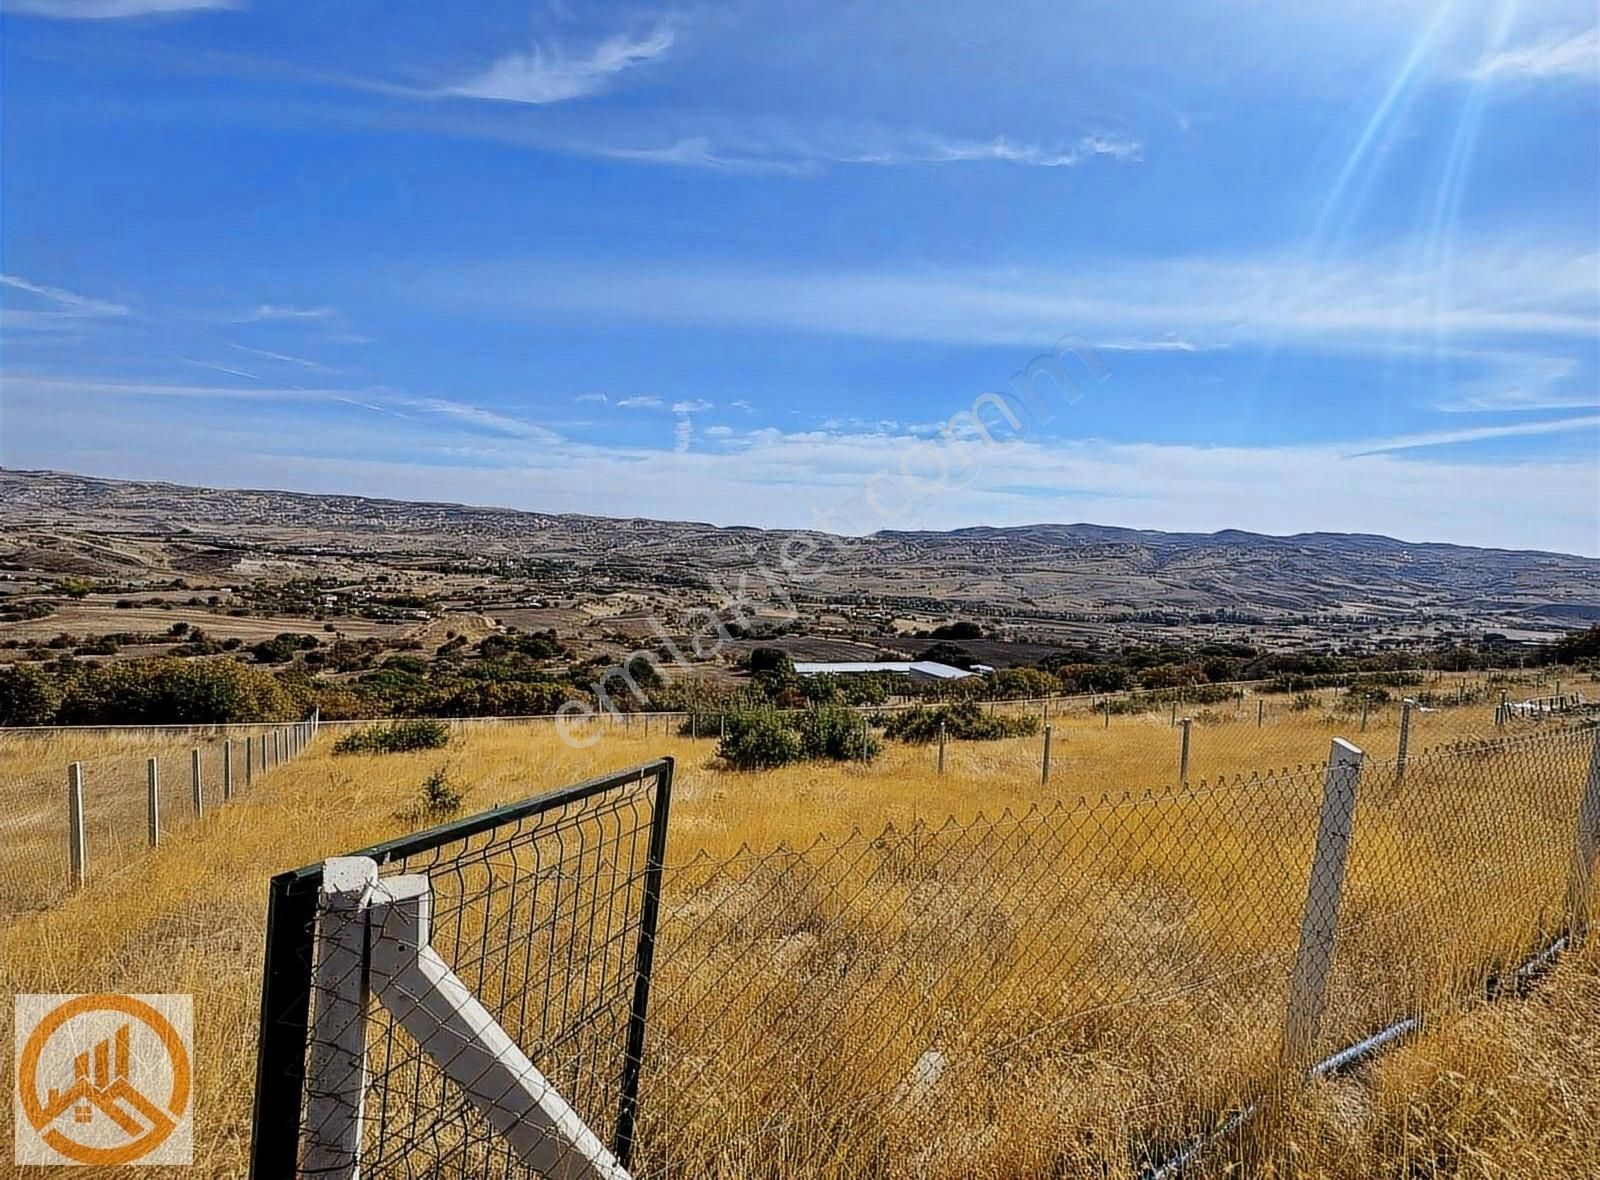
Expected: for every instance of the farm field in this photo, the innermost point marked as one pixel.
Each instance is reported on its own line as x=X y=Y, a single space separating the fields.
x=985 y=937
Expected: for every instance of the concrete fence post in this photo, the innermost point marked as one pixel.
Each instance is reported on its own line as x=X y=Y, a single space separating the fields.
x=77 y=846
x=336 y=1053
x=1108 y=713
x=1174 y=713
x=1187 y=724
x=941 y=747
x=1319 y=922
x=1366 y=703
x=1405 y=739
x=277 y=746
x=152 y=792
x=195 y=783
x=227 y=769
x=1044 y=770
x=249 y=761
x=1261 y=713
x=1581 y=891
x=865 y=748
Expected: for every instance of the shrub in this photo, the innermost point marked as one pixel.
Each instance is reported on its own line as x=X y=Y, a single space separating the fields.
x=441 y=798
x=402 y=737
x=836 y=734
x=962 y=721
x=757 y=741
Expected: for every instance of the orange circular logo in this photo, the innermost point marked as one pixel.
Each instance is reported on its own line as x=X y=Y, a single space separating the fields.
x=101 y=1081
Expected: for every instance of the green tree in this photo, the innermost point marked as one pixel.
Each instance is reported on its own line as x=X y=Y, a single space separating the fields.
x=27 y=696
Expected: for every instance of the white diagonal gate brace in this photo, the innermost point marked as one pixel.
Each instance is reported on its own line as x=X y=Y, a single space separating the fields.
x=391 y=920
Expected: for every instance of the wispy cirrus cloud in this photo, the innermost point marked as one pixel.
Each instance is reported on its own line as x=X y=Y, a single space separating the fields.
x=69 y=300
x=1378 y=303
x=549 y=74
x=1557 y=55
x=1448 y=438
x=267 y=312
x=283 y=357
x=22 y=387
x=110 y=9
x=640 y=403
x=1000 y=149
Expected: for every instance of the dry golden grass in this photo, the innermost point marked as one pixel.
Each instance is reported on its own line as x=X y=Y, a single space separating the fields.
x=1094 y=975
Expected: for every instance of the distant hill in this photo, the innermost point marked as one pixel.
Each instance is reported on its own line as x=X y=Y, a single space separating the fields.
x=105 y=527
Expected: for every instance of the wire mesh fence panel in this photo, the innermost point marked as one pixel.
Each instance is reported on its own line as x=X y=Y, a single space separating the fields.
x=540 y=911
x=1075 y=971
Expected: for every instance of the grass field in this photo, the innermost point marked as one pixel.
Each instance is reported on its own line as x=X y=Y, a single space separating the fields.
x=1096 y=976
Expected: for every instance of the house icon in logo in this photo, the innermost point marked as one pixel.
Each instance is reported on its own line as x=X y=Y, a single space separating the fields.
x=107 y=1091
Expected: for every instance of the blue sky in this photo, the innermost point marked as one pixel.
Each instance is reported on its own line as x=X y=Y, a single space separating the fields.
x=731 y=262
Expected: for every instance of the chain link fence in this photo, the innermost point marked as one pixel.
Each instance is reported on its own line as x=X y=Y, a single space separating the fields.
x=1082 y=988
x=1079 y=988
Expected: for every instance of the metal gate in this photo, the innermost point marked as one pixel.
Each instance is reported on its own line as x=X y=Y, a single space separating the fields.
x=544 y=911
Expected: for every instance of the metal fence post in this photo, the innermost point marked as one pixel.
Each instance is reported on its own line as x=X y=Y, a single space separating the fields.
x=227 y=769
x=1320 y=921
x=1183 y=752
x=77 y=847
x=649 y=916
x=153 y=801
x=1405 y=739
x=1581 y=891
x=336 y=1052
x=1044 y=769
x=194 y=783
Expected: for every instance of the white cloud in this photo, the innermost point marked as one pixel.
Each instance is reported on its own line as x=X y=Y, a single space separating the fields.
x=719 y=431
x=491 y=420
x=771 y=477
x=19 y=386
x=1556 y=55
x=1003 y=150
x=1443 y=438
x=741 y=404
x=109 y=9
x=693 y=406
x=553 y=75
x=591 y=397
x=73 y=302
x=1377 y=303
x=282 y=357
x=640 y=403
x=269 y=311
